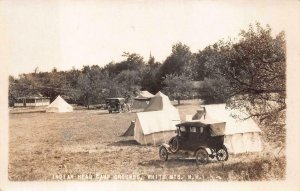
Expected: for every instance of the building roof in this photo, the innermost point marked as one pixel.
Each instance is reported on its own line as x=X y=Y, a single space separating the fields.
x=32 y=96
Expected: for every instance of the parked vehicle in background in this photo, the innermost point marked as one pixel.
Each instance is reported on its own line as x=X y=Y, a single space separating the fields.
x=116 y=105
x=204 y=141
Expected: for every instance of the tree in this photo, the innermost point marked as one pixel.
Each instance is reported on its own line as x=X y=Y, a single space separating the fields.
x=91 y=84
x=254 y=68
x=132 y=61
x=150 y=79
x=72 y=86
x=151 y=61
x=12 y=91
x=52 y=84
x=175 y=63
x=213 y=91
x=35 y=83
x=24 y=85
x=150 y=76
x=197 y=69
x=128 y=82
x=178 y=86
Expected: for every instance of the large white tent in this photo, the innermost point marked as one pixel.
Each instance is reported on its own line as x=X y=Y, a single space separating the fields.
x=156 y=124
x=59 y=105
x=240 y=135
x=141 y=101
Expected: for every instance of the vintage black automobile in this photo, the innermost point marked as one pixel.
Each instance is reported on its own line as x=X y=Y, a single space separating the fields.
x=115 y=104
x=204 y=141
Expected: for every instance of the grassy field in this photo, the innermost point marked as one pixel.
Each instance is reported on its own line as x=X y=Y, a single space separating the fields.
x=86 y=145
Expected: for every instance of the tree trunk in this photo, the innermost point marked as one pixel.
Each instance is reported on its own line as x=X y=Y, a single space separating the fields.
x=87 y=102
x=178 y=101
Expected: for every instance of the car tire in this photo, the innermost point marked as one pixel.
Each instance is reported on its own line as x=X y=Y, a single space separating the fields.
x=222 y=154
x=201 y=156
x=163 y=153
x=174 y=144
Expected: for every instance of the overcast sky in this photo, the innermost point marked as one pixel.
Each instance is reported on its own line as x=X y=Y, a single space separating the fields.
x=64 y=34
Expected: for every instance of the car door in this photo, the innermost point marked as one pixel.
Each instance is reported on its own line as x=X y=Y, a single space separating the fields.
x=184 y=137
x=194 y=137
x=202 y=139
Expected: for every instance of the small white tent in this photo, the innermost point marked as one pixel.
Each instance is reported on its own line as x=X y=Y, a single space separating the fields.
x=156 y=124
x=141 y=101
x=240 y=135
x=59 y=105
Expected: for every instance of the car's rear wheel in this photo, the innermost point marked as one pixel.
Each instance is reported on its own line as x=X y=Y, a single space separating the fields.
x=163 y=153
x=222 y=154
x=201 y=156
x=174 y=144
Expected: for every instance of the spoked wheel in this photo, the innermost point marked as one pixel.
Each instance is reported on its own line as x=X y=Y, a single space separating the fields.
x=163 y=153
x=174 y=145
x=222 y=154
x=201 y=156
x=120 y=109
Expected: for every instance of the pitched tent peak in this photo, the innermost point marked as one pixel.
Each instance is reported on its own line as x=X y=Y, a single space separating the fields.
x=160 y=94
x=59 y=105
x=144 y=95
x=59 y=97
x=159 y=102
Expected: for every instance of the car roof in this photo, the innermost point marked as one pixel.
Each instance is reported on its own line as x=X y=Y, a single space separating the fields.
x=118 y=98
x=195 y=123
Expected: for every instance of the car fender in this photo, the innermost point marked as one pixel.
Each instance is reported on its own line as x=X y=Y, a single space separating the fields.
x=206 y=148
x=167 y=146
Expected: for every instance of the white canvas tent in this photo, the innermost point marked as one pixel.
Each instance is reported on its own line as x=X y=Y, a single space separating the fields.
x=59 y=105
x=156 y=124
x=240 y=135
x=141 y=101
x=160 y=102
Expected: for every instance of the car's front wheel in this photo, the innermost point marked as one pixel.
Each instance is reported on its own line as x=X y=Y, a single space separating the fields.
x=174 y=144
x=163 y=153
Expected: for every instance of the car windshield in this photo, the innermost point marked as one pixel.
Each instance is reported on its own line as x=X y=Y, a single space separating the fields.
x=113 y=100
x=182 y=129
